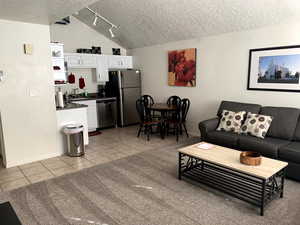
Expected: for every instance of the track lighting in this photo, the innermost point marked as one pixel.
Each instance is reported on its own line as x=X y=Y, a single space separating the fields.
x=95 y=21
x=98 y=16
x=111 y=32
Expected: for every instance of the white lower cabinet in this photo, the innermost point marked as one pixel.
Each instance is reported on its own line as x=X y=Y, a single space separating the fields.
x=92 y=116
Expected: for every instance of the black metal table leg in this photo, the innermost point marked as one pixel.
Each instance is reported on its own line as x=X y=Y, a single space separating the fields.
x=179 y=165
x=282 y=183
x=263 y=191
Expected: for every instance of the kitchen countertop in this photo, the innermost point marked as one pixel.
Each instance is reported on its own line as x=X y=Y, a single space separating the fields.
x=71 y=106
x=92 y=98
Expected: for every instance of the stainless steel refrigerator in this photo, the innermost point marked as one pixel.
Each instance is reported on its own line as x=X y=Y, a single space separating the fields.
x=126 y=86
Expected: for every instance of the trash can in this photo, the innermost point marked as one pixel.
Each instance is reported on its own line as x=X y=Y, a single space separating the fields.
x=75 y=143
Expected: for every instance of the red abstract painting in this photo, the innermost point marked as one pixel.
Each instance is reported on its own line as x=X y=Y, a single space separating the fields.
x=182 y=67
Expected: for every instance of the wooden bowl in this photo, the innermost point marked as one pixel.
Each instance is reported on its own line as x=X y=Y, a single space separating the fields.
x=250 y=158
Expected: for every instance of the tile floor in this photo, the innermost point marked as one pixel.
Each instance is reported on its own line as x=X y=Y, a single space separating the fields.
x=112 y=144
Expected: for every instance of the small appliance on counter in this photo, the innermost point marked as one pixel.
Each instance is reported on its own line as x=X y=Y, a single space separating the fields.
x=59 y=99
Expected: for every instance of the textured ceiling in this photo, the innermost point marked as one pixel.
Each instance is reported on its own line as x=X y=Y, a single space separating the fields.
x=40 y=11
x=145 y=23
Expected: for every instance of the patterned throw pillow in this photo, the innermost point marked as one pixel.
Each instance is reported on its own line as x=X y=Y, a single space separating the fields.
x=231 y=121
x=256 y=125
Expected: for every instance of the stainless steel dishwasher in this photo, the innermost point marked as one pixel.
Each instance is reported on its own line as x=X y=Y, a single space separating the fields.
x=107 y=113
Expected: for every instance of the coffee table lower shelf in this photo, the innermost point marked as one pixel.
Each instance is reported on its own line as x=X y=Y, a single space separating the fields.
x=255 y=190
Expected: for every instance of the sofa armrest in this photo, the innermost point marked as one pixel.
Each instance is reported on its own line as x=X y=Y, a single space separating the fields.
x=208 y=125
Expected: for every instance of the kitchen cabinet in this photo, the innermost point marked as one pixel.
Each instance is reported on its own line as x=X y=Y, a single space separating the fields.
x=92 y=116
x=76 y=60
x=102 y=69
x=120 y=62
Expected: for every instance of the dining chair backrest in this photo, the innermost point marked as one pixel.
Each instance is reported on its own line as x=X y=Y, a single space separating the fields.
x=174 y=100
x=185 y=106
x=141 y=110
x=147 y=100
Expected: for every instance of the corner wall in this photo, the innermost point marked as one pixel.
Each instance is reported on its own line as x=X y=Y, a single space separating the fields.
x=222 y=70
x=27 y=94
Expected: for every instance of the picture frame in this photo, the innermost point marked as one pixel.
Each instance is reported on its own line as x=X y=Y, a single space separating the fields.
x=182 y=67
x=274 y=69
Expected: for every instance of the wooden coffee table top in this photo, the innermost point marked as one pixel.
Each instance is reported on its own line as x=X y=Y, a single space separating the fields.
x=230 y=158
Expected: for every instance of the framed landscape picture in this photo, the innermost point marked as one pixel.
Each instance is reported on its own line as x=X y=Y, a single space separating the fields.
x=274 y=69
x=182 y=67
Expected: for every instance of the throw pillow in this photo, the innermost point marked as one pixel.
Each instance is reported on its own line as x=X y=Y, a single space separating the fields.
x=256 y=125
x=231 y=121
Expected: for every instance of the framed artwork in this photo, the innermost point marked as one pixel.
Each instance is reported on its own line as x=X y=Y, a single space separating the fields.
x=274 y=69
x=182 y=67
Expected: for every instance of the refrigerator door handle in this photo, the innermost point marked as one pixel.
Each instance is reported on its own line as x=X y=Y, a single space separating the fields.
x=121 y=97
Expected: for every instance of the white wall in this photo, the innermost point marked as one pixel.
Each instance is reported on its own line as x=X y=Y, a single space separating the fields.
x=78 y=35
x=29 y=123
x=222 y=64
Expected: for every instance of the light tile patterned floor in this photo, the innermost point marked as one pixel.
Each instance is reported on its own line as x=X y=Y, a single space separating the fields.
x=112 y=144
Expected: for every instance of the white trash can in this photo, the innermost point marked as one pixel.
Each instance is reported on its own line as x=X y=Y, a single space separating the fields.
x=75 y=143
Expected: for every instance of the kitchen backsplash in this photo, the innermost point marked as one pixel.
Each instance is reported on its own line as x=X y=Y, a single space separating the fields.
x=88 y=74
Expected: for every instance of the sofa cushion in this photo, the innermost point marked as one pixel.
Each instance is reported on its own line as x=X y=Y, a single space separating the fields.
x=231 y=121
x=256 y=125
x=237 y=107
x=297 y=131
x=290 y=152
x=284 y=121
x=227 y=139
x=267 y=147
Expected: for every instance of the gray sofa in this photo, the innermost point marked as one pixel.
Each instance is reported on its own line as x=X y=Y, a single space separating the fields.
x=281 y=142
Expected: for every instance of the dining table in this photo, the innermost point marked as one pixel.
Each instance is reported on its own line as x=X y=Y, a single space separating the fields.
x=164 y=109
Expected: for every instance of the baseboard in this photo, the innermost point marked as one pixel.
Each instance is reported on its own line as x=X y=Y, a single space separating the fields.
x=32 y=159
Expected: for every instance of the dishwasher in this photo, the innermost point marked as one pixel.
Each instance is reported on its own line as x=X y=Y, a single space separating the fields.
x=107 y=113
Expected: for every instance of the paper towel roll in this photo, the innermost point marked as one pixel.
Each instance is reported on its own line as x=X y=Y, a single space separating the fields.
x=60 y=99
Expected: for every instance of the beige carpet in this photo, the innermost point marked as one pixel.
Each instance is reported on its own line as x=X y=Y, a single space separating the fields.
x=142 y=189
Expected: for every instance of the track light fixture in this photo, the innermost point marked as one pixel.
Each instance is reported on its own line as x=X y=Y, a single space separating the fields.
x=111 y=32
x=97 y=16
x=95 y=21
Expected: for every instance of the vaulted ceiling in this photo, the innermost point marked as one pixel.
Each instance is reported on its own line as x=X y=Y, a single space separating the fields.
x=40 y=11
x=144 y=22
x=149 y=22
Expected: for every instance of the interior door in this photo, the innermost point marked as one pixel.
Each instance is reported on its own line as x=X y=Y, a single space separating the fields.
x=130 y=115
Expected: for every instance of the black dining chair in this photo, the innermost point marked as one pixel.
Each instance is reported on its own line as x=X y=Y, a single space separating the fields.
x=185 y=106
x=146 y=121
x=174 y=100
x=178 y=120
x=148 y=101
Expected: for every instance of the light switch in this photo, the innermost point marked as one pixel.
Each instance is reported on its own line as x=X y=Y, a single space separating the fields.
x=33 y=92
x=28 y=49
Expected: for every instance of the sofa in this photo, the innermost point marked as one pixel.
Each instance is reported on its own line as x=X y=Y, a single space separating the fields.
x=282 y=140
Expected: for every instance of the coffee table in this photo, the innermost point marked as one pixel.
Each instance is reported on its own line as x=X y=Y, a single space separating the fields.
x=220 y=168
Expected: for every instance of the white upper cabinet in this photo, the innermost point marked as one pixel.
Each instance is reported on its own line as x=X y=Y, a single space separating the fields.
x=76 y=60
x=120 y=62
x=102 y=69
x=102 y=63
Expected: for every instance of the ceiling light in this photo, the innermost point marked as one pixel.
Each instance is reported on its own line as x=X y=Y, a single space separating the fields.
x=98 y=16
x=95 y=21
x=111 y=32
